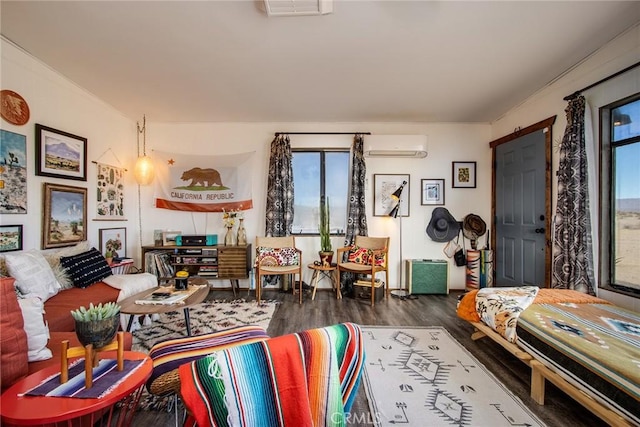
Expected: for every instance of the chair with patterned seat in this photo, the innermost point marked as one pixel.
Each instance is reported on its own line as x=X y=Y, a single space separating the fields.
x=367 y=256
x=277 y=256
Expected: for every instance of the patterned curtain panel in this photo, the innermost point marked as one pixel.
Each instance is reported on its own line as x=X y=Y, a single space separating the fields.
x=572 y=256
x=279 y=213
x=356 y=212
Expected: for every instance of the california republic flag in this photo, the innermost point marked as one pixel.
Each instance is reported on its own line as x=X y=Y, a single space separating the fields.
x=203 y=183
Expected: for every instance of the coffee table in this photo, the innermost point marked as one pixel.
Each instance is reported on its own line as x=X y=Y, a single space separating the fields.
x=40 y=410
x=129 y=306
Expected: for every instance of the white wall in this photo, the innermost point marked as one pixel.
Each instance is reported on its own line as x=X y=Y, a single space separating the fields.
x=446 y=143
x=56 y=102
x=617 y=55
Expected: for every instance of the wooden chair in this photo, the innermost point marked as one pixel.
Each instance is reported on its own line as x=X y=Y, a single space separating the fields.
x=379 y=247
x=268 y=265
x=91 y=358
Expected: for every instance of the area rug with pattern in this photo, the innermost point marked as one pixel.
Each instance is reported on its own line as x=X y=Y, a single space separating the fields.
x=423 y=376
x=208 y=316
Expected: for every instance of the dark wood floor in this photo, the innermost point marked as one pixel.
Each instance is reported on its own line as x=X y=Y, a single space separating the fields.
x=426 y=310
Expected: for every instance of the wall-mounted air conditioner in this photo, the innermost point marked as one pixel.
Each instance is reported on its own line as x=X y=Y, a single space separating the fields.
x=411 y=146
x=297 y=7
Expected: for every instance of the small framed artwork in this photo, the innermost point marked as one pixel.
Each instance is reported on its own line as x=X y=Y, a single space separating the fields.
x=384 y=185
x=113 y=240
x=169 y=237
x=463 y=175
x=13 y=173
x=64 y=219
x=60 y=154
x=432 y=192
x=10 y=238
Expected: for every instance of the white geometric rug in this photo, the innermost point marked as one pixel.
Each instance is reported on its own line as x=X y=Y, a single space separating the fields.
x=424 y=377
x=205 y=317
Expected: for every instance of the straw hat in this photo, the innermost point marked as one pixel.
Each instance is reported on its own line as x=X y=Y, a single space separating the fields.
x=473 y=227
x=443 y=227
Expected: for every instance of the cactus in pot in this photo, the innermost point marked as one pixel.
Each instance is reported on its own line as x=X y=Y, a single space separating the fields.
x=326 y=251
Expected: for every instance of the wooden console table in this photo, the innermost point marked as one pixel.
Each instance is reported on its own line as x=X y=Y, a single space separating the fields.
x=217 y=262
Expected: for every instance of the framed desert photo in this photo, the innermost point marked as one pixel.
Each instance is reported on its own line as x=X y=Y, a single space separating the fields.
x=13 y=173
x=384 y=185
x=64 y=222
x=10 y=238
x=432 y=192
x=463 y=175
x=169 y=237
x=60 y=154
x=113 y=240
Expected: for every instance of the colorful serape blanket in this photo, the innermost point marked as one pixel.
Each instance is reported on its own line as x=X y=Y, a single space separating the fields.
x=106 y=377
x=309 y=378
x=594 y=345
x=168 y=355
x=500 y=308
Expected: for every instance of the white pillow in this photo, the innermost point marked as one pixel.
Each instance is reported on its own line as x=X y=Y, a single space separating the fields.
x=33 y=274
x=35 y=327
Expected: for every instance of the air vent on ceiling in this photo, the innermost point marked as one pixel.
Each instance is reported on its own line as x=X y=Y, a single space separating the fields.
x=412 y=146
x=298 y=7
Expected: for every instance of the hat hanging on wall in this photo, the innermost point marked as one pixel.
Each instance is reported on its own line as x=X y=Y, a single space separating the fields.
x=443 y=227
x=473 y=227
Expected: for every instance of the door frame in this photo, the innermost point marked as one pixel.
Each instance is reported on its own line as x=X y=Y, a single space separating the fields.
x=547 y=126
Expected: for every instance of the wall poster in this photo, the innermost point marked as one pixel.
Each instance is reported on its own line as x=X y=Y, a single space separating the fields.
x=110 y=193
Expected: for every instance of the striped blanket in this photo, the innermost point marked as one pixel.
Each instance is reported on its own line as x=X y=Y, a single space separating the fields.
x=309 y=378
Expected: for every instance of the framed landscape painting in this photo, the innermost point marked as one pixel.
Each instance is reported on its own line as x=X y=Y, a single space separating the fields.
x=60 y=154
x=10 y=238
x=64 y=222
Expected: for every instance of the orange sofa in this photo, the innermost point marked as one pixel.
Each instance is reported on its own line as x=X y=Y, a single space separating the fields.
x=13 y=339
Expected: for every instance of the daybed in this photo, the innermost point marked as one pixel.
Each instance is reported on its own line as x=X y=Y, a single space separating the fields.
x=584 y=345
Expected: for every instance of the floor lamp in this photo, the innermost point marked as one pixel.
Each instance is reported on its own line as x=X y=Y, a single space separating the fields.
x=397 y=197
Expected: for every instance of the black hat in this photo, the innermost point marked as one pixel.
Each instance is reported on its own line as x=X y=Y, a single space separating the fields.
x=443 y=227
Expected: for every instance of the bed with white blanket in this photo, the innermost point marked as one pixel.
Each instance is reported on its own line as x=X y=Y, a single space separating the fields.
x=586 y=346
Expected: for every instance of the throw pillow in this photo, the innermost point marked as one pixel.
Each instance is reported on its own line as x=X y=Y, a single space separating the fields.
x=33 y=274
x=86 y=268
x=53 y=258
x=36 y=329
x=277 y=256
x=363 y=256
x=13 y=339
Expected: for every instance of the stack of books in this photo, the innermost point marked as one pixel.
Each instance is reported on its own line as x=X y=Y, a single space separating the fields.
x=364 y=282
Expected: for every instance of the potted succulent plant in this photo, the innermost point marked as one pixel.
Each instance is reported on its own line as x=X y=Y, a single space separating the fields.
x=326 y=251
x=97 y=324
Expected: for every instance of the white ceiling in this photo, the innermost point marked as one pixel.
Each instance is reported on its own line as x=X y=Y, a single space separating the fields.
x=368 y=61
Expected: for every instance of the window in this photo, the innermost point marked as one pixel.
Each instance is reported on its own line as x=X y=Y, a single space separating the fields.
x=316 y=173
x=620 y=203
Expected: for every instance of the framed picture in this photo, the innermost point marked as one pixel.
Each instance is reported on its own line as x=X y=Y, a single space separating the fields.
x=384 y=185
x=64 y=219
x=432 y=192
x=463 y=175
x=169 y=237
x=60 y=154
x=113 y=240
x=10 y=238
x=13 y=174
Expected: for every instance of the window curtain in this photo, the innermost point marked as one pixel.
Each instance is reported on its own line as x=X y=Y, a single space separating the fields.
x=356 y=209
x=279 y=209
x=572 y=255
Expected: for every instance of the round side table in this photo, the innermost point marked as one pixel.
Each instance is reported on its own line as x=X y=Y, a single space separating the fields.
x=330 y=272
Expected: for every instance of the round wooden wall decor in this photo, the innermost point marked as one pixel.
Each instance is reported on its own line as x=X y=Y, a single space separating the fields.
x=13 y=107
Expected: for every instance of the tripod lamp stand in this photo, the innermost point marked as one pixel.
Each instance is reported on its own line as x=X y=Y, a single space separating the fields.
x=397 y=197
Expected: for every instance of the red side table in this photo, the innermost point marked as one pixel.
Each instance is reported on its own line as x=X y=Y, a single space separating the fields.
x=43 y=410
